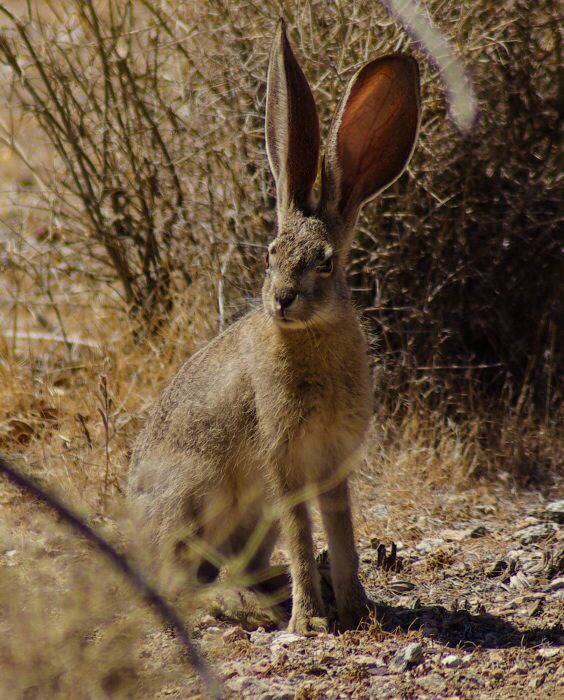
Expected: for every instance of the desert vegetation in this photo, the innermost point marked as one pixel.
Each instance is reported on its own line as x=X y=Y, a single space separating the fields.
x=135 y=209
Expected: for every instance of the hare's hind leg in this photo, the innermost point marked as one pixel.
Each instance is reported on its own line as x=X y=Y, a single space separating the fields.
x=251 y=546
x=352 y=603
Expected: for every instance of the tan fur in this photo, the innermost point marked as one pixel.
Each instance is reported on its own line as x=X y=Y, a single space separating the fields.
x=272 y=412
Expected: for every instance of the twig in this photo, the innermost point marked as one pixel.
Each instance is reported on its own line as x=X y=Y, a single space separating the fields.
x=50 y=337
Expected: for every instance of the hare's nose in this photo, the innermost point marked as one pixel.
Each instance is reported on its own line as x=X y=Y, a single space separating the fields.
x=285 y=298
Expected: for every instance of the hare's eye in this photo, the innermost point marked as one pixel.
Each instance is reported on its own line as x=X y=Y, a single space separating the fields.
x=326 y=267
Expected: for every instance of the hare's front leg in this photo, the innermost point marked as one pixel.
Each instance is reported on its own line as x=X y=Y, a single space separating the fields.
x=307 y=606
x=352 y=603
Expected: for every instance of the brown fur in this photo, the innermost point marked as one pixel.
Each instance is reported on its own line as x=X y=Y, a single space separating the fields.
x=272 y=412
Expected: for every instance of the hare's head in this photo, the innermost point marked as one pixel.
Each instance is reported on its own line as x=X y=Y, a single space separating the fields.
x=370 y=142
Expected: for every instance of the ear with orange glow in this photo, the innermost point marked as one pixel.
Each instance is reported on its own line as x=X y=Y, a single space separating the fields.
x=373 y=134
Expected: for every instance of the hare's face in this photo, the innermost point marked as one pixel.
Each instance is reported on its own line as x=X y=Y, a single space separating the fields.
x=304 y=284
x=369 y=144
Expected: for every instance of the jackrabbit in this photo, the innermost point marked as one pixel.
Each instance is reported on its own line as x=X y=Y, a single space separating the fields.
x=275 y=408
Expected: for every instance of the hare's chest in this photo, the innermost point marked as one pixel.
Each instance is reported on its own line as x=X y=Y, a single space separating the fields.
x=317 y=420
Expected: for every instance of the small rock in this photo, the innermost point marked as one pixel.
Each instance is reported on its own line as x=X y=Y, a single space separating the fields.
x=557 y=584
x=234 y=634
x=485 y=508
x=454 y=661
x=478 y=531
x=279 y=655
x=497 y=569
x=260 y=637
x=285 y=639
x=555 y=511
x=366 y=661
x=408 y=657
x=535 y=533
x=534 y=565
x=379 y=511
x=207 y=620
x=519 y=581
x=548 y=652
x=399 y=586
x=429 y=544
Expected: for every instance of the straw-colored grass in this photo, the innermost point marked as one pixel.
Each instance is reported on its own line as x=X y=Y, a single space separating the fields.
x=106 y=292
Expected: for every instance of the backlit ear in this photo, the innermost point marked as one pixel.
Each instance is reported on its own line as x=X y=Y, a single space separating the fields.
x=292 y=128
x=373 y=134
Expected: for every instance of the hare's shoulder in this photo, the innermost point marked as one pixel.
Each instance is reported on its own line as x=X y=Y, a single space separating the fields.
x=210 y=398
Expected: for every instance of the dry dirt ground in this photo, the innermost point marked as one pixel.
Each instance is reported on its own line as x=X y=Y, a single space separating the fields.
x=469 y=605
x=472 y=609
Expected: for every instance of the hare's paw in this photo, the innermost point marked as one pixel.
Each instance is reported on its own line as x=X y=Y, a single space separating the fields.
x=309 y=625
x=355 y=610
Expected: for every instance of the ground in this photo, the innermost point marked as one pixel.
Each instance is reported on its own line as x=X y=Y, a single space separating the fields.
x=469 y=604
x=477 y=605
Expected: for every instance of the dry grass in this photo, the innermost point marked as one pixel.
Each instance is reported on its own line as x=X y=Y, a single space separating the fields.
x=455 y=267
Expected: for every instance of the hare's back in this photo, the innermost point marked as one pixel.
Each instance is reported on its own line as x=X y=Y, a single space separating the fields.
x=205 y=417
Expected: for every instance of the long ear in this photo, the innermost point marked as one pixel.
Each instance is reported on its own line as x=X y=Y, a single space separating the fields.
x=372 y=136
x=292 y=128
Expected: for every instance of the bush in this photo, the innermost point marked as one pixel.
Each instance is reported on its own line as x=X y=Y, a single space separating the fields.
x=155 y=112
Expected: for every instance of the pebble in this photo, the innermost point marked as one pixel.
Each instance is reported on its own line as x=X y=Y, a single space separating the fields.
x=519 y=581
x=410 y=656
x=379 y=511
x=208 y=620
x=279 y=655
x=548 y=652
x=234 y=634
x=429 y=544
x=497 y=569
x=555 y=511
x=285 y=639
x=478 y=531
x=399 y=586
x=454 y=661
x=485 y=508
x=366 y=661
x=260 y=637
x=535 y=533
x=557 y=584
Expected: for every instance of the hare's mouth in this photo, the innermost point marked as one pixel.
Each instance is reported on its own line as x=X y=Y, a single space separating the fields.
x=286 y=321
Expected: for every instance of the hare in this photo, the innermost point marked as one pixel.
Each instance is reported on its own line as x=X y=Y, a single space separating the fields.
x=274 y=409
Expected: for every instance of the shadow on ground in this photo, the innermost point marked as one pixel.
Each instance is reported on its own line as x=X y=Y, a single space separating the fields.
x=460 y=628
x=455 y=628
